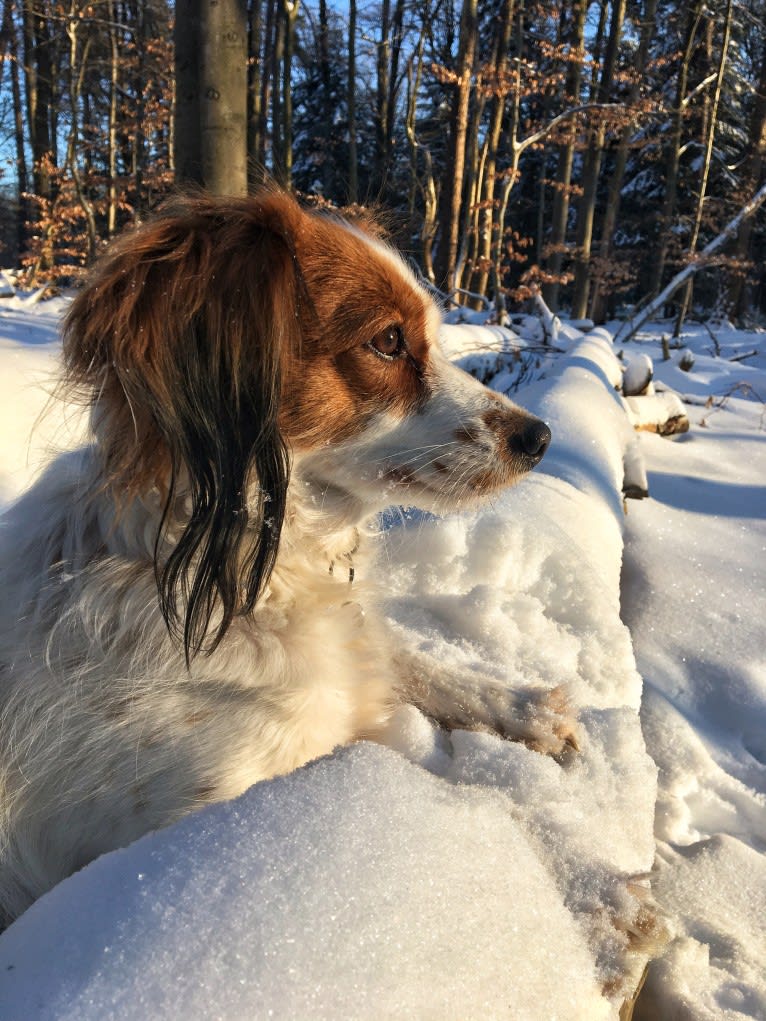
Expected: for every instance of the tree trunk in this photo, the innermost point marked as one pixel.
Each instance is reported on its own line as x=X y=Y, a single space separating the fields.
x=488 y=211
x=291 y=17
x=325 y=128
x=452 y=188
x=397 y=31
x=673 y=154
x=38 y=73
x=78 y=62
x=424 y=184
x=591 y=170
x=560 y=212
x=10 y=44
x=353 y=176
x=255 y=138
x=269 y=76
x=111 y=141
x=686 y=296
x=223 y=100
x=211 y=94
x=277 y=123
x=186 y=129
x=598 y=306
x=381 y=95
x=468 y=229
x=139 y=137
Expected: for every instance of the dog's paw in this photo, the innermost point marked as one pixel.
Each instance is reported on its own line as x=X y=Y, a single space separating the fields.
x=552 y=723
x=639 y=934
x=540 y=718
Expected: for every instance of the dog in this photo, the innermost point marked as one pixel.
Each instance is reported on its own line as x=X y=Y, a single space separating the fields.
x=176 y=615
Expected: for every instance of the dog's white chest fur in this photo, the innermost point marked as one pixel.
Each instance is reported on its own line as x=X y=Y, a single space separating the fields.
x=128 y=739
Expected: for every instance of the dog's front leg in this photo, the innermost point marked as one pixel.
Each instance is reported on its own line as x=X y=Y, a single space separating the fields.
x=462 y=699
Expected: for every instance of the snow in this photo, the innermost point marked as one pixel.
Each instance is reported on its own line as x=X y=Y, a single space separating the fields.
x=463 y=875
x=695 y=601
x=305 y=899
x=29 y=359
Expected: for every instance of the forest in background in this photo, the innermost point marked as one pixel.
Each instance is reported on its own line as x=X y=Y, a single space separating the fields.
x=589 y=150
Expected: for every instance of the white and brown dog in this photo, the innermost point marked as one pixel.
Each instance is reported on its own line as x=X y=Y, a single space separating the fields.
x=263 y=381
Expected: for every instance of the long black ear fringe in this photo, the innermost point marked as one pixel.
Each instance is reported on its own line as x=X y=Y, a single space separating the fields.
x=180 y=341
x=221 y=427
x=237 y=470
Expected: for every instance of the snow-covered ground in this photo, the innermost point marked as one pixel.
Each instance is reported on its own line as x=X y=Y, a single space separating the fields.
x=694 y=598
x=466 y=876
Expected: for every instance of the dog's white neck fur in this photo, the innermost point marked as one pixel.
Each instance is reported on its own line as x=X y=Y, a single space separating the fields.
x=267 y=701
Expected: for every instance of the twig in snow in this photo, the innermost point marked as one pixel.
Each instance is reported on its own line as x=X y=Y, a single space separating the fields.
x=745 y=389
x=744 y=355
x=716 y=345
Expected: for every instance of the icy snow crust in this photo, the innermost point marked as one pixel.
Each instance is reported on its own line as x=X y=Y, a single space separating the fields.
x=478 y=879
x=360 y=886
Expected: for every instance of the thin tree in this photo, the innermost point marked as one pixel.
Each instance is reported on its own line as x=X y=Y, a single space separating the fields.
x=40 y=57
x=387 y=56
x=452 y=188
x=111 y=159
x=592 y=168
x=255 y=132
x=673 y=151
x=9 y=48
x=325 y=127
x=139 y=20
x=187 y=119
x=269 y=77
x=290 y=17
x=353 y=172
x=423 y=190
x=78 y=62
x=706 y=164
x=488 y=206
x=612 y=207
x=565 y=162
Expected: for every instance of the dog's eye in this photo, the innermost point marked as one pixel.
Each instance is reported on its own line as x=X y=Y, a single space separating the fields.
x=389 y=343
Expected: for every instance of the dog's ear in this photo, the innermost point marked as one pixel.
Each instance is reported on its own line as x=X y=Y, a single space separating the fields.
x=180 y=341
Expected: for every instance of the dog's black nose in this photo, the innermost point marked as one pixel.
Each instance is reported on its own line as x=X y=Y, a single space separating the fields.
x=535 y=440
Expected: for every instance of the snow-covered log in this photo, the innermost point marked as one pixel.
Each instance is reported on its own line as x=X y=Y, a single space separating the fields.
x=443 y=876
x=638 y=374
x=551 y=322
x=661 y=413
x=635 y=485
x=7 y=284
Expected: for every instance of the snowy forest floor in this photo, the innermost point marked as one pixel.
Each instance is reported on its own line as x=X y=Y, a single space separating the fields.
x=119 y=939
x=694 y=598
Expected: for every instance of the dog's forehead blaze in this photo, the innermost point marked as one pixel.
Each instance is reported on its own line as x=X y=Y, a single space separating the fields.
x=357 y=288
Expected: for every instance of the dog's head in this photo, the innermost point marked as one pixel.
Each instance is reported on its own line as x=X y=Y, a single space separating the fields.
x=229 y=338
